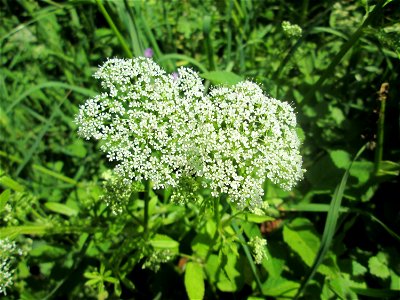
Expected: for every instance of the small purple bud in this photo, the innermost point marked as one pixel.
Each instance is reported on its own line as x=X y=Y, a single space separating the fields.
x=148 y=53
x=175 y=75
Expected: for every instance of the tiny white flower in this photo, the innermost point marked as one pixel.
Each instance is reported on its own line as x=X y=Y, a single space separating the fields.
x=163 y=128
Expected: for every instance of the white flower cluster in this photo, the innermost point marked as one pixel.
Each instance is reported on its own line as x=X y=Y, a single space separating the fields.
x=156 y=258
x=8 y=250
x=291 y=30
x=258 y=246
x=163 y=128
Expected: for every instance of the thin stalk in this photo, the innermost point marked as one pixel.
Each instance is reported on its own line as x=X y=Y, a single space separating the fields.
x=381 y=126
x=209 y=48
x=114 y=29
x=217 y=217
x=146 y=208
x=248 y=255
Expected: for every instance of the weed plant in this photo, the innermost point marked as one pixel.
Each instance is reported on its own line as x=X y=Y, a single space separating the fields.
x=71 y=228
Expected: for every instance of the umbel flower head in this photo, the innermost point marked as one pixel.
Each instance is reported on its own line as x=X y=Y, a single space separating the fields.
x=161 y=127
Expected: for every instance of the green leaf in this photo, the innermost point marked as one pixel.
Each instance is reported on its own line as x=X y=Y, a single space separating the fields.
x=77 y=149
x=10 y=183
x=362 y=170
x=357 y=268
x=14 y=231
x=162 y=241
x=228 y=275
x=40 y=249
x=194 y=281
x=301 y=238
x=4 y=196
x=340 y=287
x=93 y=281
x=378 y=265
x=222 y=77
x=61 y=208
x=280 y=287
x=201 y=244
x=340 y=158
x=388 y=168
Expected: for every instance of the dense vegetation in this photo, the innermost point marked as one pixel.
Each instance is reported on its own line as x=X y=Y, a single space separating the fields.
x=335 y=235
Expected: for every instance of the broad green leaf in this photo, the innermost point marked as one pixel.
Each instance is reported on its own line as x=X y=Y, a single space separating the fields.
x=341 y=288
x=77 y=149
x=212 y=267
x=230 y=279
x=222 y=77
x=61 y=208
x=301 y=237
x=194 y=281
x=337 y=115
x=340 y=158
x=357 y=268
x=201 y=244
x=211 y=227
x=45 y=250
x=362 y=170
x=273 y=265
x=280 y=287
x=394 y=281
x=378 y=265
x=162 y=241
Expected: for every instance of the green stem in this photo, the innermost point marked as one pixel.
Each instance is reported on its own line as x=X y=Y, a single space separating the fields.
x=217 y=218
x=248 y=256
x=146 y=208
x=209 y=48
x=114 y=28
x=380 y=133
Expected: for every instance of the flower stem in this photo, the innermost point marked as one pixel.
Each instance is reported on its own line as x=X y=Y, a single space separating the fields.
x=381 y=126
x=146 y=208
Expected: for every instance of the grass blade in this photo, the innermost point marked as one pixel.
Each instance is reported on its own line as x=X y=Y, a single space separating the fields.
x=114 y=29
x=43 y=131
x=50 y=84
x=330 y=226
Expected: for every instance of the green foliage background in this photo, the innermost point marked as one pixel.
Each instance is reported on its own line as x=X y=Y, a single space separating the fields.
x=335 y=236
